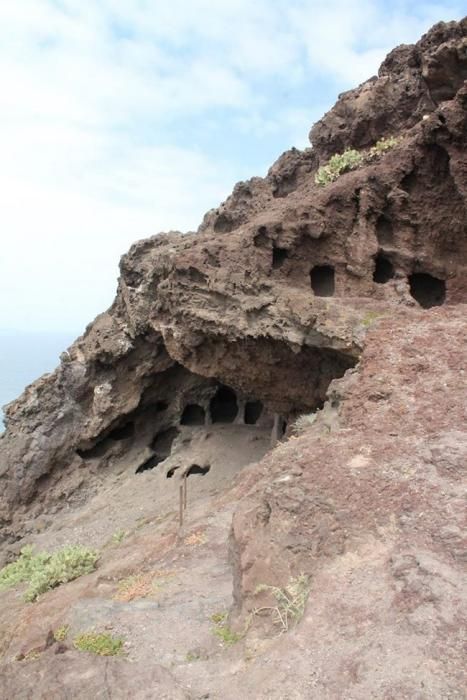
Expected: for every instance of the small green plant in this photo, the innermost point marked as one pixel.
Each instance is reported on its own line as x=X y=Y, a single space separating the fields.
x=351 y=159
x=383 y=145
x=219 y=618
x=290 y=601
x=100 y=643
x=222 y=630
x=338 y=164
x=303 y=422
x=44 y=571
x=61 y=633
x=119 y=536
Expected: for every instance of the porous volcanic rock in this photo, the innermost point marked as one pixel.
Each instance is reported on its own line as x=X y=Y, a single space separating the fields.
x=369 y=504
x=346 y=302
x=271 y=296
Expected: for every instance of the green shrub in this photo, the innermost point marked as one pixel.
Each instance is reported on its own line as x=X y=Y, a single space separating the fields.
x=338 y=164
x=119 y=536
x=351 y=159
x=61 y=633
x=290 y=601
x=223 y=631
x=99 y=643
x=44 y=571
x=383 y=145
x=303 y=422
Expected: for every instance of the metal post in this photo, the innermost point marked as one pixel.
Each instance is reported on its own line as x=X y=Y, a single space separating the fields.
x=181 y=504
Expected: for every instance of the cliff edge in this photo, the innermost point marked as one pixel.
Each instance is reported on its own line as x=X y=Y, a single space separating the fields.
x=302 y=356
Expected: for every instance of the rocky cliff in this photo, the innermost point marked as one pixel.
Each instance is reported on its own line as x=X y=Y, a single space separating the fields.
x=343 y=302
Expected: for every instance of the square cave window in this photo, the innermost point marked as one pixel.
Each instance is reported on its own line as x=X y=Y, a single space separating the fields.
x=384 y=269
x=279 y=256
x=223 y=406
x=253 y=411
x=322 y=280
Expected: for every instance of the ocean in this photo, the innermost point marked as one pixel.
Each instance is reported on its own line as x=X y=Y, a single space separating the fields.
x=25 y=356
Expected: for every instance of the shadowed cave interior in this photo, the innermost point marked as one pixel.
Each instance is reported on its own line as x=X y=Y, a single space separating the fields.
x=429 y=291
x=187 y=424
x=322 y=280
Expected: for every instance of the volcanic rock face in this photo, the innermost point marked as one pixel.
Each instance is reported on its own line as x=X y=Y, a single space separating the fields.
x=269 y=297
x=255 y=318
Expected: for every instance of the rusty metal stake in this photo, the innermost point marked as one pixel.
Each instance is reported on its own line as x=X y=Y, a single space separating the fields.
x=181 y=505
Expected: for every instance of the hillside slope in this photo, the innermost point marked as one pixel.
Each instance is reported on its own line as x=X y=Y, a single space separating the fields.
x=344 y=302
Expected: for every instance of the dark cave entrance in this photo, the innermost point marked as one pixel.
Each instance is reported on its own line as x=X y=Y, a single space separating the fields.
x=429 y=291
x=384 y=269
x=99 y=449
x=196 y=469
x=323 y=280
x=162 y=446
x=162 y=442
x=279 y=256
x=193 y=414
x=253 y=411
x=149 y=464
x=123 y=432
x=223 y=406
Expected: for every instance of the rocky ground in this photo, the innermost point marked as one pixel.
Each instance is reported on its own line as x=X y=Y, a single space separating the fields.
x=369 y=502
x=319 y=558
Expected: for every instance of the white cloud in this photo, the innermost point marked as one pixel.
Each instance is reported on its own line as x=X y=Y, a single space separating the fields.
x=68 y=239
x=102 y=103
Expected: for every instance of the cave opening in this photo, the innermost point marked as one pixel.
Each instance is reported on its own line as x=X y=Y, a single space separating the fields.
x=193 y=414
x=150 y=463
x=384 y=269
x=279 y=256
x=162 y=446
x=323 y=280
x=96 y=451
x=196 y=469
x=123 y=432
x=253 y=411
x=105 y=443
x=223 y=406
x=162 y=442
x=427 y=290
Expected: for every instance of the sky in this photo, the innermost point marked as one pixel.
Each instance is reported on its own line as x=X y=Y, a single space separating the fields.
x=123 y=118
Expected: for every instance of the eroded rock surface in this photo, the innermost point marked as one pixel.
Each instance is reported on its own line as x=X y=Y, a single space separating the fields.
x=64 y=673
x=216 y=341
x=370 y=504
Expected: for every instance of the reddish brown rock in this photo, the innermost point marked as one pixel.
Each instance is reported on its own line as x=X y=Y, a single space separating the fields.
x=234 y=303
x=71 y=674
x=345 y=301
